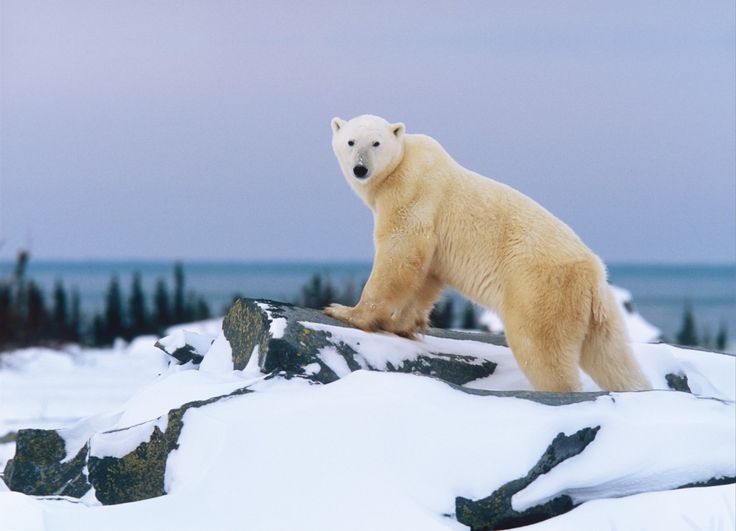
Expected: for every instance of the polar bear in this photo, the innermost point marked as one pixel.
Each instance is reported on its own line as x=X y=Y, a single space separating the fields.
x=437 y=224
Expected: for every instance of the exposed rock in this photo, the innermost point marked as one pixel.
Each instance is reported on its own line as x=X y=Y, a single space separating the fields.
x=495 y=511
x=281 y=336
x=38 y=466
x=185 y=346
x=678 y=382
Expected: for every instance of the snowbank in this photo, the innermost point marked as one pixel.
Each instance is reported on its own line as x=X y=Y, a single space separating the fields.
x=293 y=421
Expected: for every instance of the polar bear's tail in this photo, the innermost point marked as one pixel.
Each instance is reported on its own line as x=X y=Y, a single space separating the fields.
x=599 y=308
x=606 y=354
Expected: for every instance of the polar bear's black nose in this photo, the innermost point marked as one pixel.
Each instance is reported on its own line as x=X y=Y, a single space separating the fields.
x=360 y=171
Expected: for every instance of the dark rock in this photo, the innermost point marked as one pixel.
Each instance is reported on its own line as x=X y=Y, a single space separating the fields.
x=185 y=346
x=677 y=382
x=495 y=511
x=541 y=397
x=248 y=325
x=37 y=468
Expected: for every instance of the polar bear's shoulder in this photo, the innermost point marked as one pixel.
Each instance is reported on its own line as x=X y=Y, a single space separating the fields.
x=421 y=151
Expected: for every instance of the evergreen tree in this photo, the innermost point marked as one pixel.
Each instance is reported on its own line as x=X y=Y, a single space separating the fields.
x=7 y=315
x=60 y=320
x=687 y=336
x=442 y=315
x=162 y=306
x=179 y=295
x=37 y=316
x=137 y=313
x=75 y=317
x=201 y=310
x=113 y=321
x=469 y=320
x=318 y=293
x=722 y=337
x=99 y=331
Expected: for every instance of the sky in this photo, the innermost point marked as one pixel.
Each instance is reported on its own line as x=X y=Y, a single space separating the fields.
x=200 y=130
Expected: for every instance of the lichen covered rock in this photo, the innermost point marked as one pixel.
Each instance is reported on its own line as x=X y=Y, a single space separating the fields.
x=40 y=466
x=298 y=340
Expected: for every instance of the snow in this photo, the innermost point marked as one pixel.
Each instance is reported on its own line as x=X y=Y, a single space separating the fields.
x=701 y=509
x=372 y=450
x=642 y=421
x=210 y=327
x=44 y=388
x=119 y=444
x=640 y=330
x=334 y=361
x=219 y=357
x=278 y=324
x=182 y=337
x=381 y=349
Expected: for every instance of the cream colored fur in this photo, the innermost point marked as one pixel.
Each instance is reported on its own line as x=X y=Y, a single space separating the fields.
x=438 y=224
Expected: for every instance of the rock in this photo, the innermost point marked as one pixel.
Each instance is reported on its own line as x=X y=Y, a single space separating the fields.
x=38 y=467
x=185 y=346
x=139 y=475
x=302 y=341
x=495 y=511
x=677 y=382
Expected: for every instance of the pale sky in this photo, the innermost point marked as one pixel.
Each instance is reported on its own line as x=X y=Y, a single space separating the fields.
x=201 y=129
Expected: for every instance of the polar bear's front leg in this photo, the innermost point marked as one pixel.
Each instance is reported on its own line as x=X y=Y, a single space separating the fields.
x=394 y=297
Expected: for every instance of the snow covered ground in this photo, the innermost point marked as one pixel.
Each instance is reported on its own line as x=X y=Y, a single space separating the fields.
x=372 y=450
x=44 y=388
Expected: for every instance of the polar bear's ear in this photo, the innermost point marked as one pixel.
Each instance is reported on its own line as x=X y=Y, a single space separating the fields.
x=398 y=129
x=337 y=123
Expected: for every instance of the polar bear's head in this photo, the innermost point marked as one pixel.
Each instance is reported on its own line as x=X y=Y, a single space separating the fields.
x=368 y=148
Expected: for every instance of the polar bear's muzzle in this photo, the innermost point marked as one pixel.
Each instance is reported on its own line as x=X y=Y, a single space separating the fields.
x=360 y=171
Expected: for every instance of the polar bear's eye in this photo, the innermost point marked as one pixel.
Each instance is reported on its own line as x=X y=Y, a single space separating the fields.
x=351 y=143
x=376 y=144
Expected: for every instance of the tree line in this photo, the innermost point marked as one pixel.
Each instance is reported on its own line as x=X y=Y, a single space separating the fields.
x=28 y=318
x=689 y=336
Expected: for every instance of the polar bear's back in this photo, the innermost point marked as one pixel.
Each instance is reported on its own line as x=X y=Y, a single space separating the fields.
x=486 y=226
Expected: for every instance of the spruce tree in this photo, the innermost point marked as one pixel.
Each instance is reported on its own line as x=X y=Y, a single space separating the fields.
x=722 y=337
x=201 y=310
x=687 y=336
x=114 y=325
x=7 y=316
x=99 y=331
x=137 y=313
x=161 y=306
x=179 y=305
x=37 y=317
x=60 y=320
x=75 y=317
x=469 y=320
x=318 y=293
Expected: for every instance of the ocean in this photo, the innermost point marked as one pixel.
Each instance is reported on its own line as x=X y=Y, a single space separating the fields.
x=660 y=292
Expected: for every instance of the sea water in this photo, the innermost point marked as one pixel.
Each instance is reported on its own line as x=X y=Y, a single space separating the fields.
x=660 y=292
